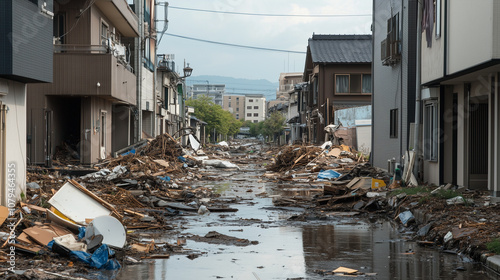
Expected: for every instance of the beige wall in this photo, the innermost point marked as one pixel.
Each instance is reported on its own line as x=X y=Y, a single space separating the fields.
x=433 y=57
x=237 y=106
x=147 y=89
x=470 y=33
x=14 y=156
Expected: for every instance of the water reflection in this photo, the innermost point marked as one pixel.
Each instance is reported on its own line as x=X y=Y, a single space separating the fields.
x=293 y=252
x=379 y=250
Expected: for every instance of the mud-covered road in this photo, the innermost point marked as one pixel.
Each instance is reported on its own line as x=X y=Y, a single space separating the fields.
x=260 y=241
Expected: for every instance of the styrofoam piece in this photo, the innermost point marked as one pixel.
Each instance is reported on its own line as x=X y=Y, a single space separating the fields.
x=194 y=143
x=76 y=205
x=110 y=228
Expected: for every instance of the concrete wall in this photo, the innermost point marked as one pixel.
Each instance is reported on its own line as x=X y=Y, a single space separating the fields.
x=387 y=90
x=364 y=138
x=13 y=154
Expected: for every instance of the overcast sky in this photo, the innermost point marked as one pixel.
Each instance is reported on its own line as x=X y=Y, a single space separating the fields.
x=284 y=33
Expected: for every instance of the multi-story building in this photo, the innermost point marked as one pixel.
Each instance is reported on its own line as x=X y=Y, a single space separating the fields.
x=394 y=80
x=90 y=106
x=338 y=72
x=459 y=97
x=214 y=91
x=286 y=84
x=26 y=51
x=235 y=104
x=255 y=107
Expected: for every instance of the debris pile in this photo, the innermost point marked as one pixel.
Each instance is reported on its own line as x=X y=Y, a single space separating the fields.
x=293 y=156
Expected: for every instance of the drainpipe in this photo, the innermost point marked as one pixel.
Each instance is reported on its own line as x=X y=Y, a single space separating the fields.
x=138 y=65
x=418 y=92
x=155 y=71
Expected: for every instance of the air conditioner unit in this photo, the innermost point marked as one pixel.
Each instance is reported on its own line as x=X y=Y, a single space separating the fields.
x=120 y=51
x=384 y=51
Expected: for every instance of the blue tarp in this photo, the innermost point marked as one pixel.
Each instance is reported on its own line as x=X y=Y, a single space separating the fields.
x=328 y=174
x=99 y=259
x=129 y=152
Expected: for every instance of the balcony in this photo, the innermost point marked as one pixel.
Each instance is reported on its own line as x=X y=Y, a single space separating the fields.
x=122 y=16
x=78 y=70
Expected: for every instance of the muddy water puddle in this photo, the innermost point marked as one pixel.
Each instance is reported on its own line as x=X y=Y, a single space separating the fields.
x=296 y=250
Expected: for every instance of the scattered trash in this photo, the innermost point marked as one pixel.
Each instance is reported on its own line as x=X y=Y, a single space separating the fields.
x=77 y=205
x=458 y=200
x=203 y=210
x=345 y=270
x=406 y=217
x=219 y=163
x=111 y=230
x=328 y=174
x=448 y=237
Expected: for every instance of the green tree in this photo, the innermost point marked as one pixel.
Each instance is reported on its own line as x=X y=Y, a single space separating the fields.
x=274 y=125
x=216 y=118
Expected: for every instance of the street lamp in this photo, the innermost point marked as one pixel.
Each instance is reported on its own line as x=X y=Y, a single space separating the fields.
x=187 y=71
x=182 y=110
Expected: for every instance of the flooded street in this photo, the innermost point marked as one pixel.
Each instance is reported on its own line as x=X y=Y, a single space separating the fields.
x=292 y=249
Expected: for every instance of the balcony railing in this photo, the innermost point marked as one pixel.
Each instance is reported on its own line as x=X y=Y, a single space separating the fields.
x=116 y=49
x=67 y=48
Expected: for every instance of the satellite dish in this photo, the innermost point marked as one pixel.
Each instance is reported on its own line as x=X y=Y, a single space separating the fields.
x=110 y=228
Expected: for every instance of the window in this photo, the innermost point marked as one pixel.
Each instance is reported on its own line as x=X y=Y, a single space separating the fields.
x=366 y=83
x=250 y=100
x=104 y=34
x=58 y=27
x=229 y=97
x=249 y=107
x=249 y=114
x=394 y=123
x=315 y=91
x=431 y=136
x=255 y=114
x=353 y=83
x=237 y=99
x=438 y=19
x=165 y=96
x=255 y=121
x=237 y=109
x=256 y=107
x=229 y=104
x=237 y=116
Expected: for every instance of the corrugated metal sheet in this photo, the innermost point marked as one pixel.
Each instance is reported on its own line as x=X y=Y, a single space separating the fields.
x=341 y=48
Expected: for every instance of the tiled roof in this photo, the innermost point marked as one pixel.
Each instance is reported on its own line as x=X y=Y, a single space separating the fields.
x=341 y=48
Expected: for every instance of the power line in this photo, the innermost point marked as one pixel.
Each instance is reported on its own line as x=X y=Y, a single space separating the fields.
x=233 y=45
x=266 y=15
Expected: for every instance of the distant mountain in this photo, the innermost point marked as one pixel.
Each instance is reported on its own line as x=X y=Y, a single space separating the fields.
x=238 y=85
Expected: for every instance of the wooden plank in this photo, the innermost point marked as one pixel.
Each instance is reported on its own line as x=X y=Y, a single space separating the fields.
x=162 y=162
x=345 y=270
